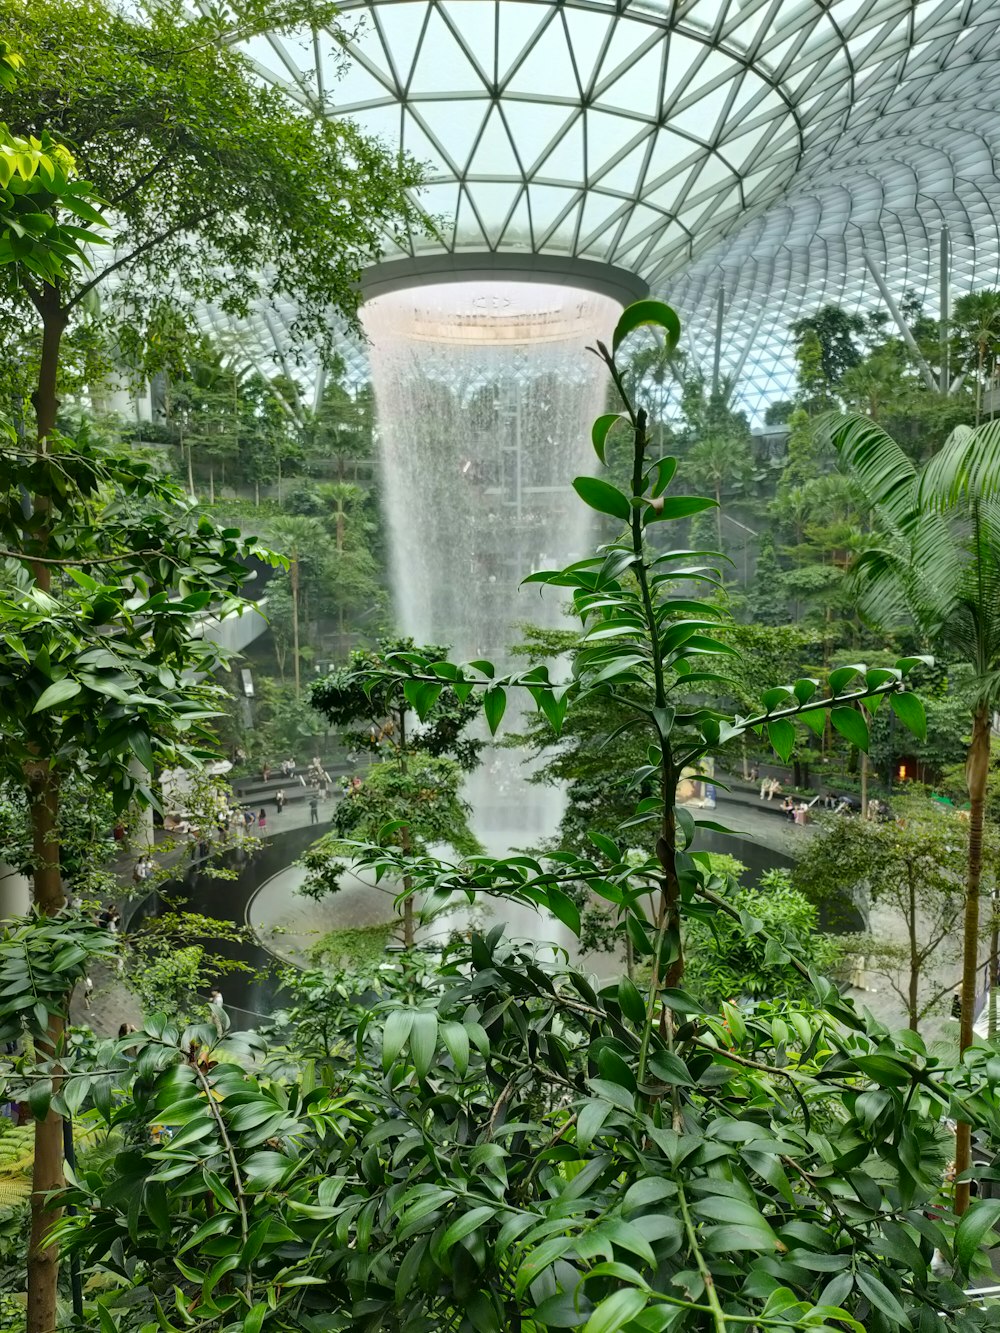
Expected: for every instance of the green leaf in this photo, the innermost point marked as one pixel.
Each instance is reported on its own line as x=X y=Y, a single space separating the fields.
x=881 y=1297
x=815 y=720
x=463 y=1226
x=456 y=1041
x=141 y=746
x=910 y=712
x=590 y=1120
x=851 y=725
x=664 y=469
x=781 y=734
x=254 y=1320
x=59 y=692
x=842 y=677
x=642 y=313
x=805 y=688
x=670 y=1068
x=599 y=433
x=394 y=1034
x=616 y=1310
x=494 y=706
x=981 y=1218
x=39 y=1097
x=676 y=506
x=423 y=1039
x=631 y=1003
x=603 y=497
x=564 y=908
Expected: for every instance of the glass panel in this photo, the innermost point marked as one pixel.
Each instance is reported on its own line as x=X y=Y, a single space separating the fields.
x=683 y=56
x=670 y=152
x=493 y=203
x=638 y=89
x=442 y=66
x=357 y=87
x=565 y=162
x=519 y=19
x=518 y=233
x=547 y=202
x=476 y=21
x=416 y=141
x=701 y=118
x=624 y=177
x=588 y=33
x=494 y=155
x=468 y=233
x=597 y=230
x=547 y=66
x=455 y=125
x=534 y=127
x=401 y=26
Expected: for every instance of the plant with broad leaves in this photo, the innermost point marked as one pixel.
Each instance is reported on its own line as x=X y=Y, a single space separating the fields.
x=516 y=1146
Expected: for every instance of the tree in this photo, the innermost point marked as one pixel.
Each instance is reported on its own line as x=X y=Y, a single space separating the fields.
x=517 y=1146
x=830 y=335
x=220 y=189
x=296 y=537
x=416 y=790
x=749 y=956
x=768 y=603
x=976 y=324
x=912 y=868
x=938 y=565
x=719 y=461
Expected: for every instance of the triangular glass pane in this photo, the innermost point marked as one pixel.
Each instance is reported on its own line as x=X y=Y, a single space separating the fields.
x=683 y=57
x=401 y=26
x=607 y=135
x=588 y=33
x=713 y=173
x=519 y=21
x=601 y=216
x=423 y=148
x=468 y=233
x=518 y=233
x=625 y=175
x=671 y=154
x=547 y=202
x=626 y=49
x=741 y=148
x=700 y=118
x=638 y=89
x=494 y=155
x=547 y=65
x=493 y=203
x=440 y=203
x=477 y=24
x=565 y=162
x=534 y=127
x=642 y=220
x=357 y=86
x=442 y=66
x=455 y=125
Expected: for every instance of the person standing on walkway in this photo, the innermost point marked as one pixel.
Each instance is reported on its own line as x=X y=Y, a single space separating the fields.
x=262 y=820
x=279 y=799
x=314 y=809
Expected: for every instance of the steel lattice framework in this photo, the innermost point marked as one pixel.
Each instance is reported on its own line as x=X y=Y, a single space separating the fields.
x=760 y=147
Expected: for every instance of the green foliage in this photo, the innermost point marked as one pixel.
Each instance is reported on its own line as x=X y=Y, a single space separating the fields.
x=94 y=670
x=512 y=1145
x=354 y=949
x=748 y=957
x=173 y=957
x=220 y=189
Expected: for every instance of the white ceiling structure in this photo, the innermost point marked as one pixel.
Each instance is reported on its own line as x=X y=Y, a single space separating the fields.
x=757 y=146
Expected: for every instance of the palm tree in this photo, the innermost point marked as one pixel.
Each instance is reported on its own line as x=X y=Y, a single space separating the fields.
x=976 y=322
x=294 y=537
x=719 y=460
x=937 y=564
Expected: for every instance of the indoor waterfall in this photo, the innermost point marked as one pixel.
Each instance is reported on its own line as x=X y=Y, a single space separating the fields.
x=485 y=394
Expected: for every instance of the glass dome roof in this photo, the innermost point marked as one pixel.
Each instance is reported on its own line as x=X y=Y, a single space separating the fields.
x=760 y=146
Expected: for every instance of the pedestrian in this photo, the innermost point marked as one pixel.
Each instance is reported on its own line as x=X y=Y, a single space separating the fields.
x=279 y=799
x=288 y=766
x=313 y=809
x=88 y=990
x=262 y=820
x=265 y=771
x=215 y=996
x=249 y=818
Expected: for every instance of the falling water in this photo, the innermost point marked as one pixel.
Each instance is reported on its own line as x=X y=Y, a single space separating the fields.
x=485 y=395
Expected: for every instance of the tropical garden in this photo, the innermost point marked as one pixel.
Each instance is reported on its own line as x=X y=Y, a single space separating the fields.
x=690 y=1119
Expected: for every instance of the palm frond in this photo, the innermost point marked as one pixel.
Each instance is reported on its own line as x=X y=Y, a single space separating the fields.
x=965 y=468
x=884 y=472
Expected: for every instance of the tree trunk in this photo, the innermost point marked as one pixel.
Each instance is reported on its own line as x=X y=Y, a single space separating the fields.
x=913 y=989
x=256 y=495
x=718 y=512
x=47 y=1168
x=190 y=471
x=864 y=785
x=294 y=571
x=211 y=483
x=45 y=400
x=976 y=771
x=979 y=382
